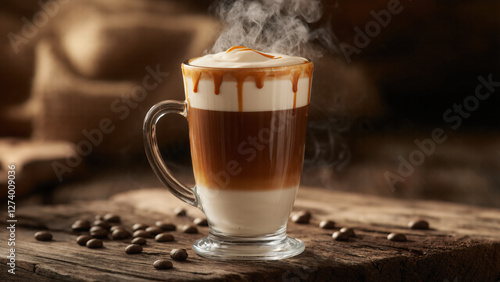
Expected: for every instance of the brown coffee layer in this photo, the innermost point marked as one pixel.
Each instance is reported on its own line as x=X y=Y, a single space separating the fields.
x=247 y=150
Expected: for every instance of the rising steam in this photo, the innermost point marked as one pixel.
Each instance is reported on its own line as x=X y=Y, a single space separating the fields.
x=286 y=26
x=278 y=26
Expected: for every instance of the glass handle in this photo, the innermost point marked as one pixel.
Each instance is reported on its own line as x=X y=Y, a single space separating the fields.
x=178 y=189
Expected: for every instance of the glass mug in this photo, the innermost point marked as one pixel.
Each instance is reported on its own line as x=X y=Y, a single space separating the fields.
x=247 y=129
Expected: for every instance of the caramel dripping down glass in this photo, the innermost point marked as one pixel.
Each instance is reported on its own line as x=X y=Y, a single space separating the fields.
x=247 y=130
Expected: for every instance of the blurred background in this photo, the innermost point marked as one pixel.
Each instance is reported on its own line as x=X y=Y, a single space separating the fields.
x=405 y=103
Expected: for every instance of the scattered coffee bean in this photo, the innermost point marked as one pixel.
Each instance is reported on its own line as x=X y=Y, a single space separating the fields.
x=133 y=249
x=327 y=224
x=98 y=232
x=154 y=230
x=178 y=211
x=83 y=239
x=43 y=236
x=139 y=226
x=99 y=217
x=116 y=227
x=94 y=244
x=340 y=236
x=397 y=237
x=119 y=234
x=102 y=223
x=81 y=225
x=109 y=217
x=139 y=241
x=142 y=233
x=189 y=229
x=164 y=237
x=162 y=264
x=179 y=254
x=200 y=221
x=419 y=224
x=302 y=217
x=165 y=226
x=349 y=231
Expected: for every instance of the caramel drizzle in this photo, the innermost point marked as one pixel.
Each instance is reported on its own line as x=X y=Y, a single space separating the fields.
x=295 y=82
x=259 y=79
x=217 y=76
x=239 y=84
x=185 y=85
x=309 y=73
x=241 y=74
x=196 y=79
x=243 y=48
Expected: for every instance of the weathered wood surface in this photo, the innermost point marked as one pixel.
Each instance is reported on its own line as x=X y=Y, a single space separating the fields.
x=462 y=245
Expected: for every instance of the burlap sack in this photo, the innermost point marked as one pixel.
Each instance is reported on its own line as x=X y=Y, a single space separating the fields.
x=103 y=65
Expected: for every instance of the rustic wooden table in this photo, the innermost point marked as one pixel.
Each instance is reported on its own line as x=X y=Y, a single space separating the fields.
x=463 y=243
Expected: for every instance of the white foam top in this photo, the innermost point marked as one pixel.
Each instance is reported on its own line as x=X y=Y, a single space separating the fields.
x=242 y=57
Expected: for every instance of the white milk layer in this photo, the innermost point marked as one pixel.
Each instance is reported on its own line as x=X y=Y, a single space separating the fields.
x=275 y=95
x=247 y=213
x=242 y=57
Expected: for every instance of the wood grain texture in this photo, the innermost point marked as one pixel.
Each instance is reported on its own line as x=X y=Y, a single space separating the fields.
x=463 y=243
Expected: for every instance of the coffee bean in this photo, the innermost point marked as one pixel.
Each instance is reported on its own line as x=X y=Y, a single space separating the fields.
x=98 y=232
x=139 y=241
x=109 y=217
x=99 y=217
x=179 y=254
x=397 y=237
x=81 y=225
x=162 y=264
x=102 y=223
x=200 y=221
x=119 y=234
x=43 y=236
x=301 y=217
x=327 y=224
x=116 y=227
x=190 y=229
x=93 y=228
x=178 y=211
x=164 y=237
x=340 y=236
x=154 y=230
x=139 y=226
x=419 y=224
x=133 y=249
x=349 y=231
x=142 y=233
x=165 y=226
x=94 y=244
x=83 y=239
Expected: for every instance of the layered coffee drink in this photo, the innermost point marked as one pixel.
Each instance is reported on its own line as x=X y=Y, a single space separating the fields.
x=247 y=114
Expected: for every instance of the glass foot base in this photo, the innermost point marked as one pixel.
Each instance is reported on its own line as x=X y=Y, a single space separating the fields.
x=211 y=247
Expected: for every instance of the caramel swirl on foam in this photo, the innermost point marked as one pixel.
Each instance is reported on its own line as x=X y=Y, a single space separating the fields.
x=240 y=63
x=243 y=57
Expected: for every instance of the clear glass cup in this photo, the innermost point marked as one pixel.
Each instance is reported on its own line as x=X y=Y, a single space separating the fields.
x=247 y=129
